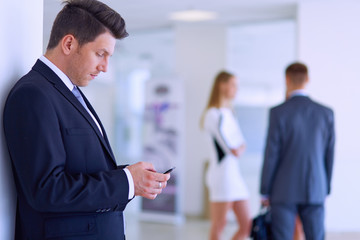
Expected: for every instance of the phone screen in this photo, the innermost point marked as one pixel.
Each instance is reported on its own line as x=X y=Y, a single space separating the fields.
x=170 y=170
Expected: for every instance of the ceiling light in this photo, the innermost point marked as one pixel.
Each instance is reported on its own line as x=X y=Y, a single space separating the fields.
x=193 y=16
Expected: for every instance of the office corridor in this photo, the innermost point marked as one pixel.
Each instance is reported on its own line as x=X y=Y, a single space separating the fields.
x=193 y=229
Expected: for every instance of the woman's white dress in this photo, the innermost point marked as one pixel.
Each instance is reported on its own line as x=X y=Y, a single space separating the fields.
x=223 y=177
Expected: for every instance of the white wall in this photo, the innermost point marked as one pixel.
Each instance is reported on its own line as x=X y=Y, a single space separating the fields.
x=21 y=24
x=200 y=55
x=329 y=42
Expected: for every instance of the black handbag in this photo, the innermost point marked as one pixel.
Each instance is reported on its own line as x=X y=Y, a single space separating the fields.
x=261 y=225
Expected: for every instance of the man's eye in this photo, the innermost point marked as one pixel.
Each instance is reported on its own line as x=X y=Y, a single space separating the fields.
x=100 y=54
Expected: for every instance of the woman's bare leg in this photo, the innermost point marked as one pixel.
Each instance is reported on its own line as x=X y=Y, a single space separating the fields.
x=242 y=213
x=218 y=218
x=299 y=232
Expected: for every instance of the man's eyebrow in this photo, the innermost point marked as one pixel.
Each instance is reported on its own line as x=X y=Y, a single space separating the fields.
x=105 y=51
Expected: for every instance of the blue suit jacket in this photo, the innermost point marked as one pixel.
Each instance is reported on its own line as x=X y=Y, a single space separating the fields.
x=68 y=183
x=299 y=152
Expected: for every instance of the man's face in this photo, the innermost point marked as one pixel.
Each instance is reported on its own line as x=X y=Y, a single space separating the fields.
x=90 y=59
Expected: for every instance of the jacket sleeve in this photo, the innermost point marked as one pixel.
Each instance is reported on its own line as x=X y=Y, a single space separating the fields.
x=36 y=148
x=329 y=152
x=271 y=156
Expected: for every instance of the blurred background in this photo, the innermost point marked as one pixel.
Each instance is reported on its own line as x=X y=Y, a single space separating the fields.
x=182 y=45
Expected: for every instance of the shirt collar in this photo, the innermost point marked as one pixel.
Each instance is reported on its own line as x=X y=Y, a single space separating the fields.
x=299 y=92
x=58 y=72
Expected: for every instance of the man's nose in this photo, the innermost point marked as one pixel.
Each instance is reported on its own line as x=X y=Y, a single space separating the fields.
x=103 y=66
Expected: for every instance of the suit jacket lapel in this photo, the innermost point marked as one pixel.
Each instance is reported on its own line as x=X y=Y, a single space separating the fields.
x=64 y=90
x=104 y=138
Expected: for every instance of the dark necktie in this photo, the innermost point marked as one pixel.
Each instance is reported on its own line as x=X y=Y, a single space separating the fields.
x=77 y=94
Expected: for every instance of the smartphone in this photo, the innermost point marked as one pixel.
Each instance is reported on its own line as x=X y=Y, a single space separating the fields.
x=170 y=170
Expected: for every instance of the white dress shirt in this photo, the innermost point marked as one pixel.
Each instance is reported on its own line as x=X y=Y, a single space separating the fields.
x=71 y=86
x=299 y=92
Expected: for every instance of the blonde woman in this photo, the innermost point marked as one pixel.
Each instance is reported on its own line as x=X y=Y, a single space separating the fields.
x=226 y=186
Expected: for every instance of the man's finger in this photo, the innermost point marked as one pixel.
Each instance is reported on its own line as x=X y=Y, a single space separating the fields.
x=150 y=196
x=160 y=177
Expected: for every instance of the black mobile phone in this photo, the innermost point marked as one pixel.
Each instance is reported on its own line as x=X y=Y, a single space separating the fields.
x=170 y=170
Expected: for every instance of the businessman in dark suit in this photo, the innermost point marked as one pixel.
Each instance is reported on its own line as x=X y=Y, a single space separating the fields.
x=68 y=183
x=298 y=162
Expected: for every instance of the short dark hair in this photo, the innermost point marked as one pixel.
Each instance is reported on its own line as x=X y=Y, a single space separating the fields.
x=297 y=73
x=86 y=19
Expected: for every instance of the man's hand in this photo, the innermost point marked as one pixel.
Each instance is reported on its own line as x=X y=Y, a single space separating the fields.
x=148 y=183
x=265 y=201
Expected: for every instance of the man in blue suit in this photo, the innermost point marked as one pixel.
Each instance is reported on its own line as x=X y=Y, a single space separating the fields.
x=298 y=162
x=68 y=183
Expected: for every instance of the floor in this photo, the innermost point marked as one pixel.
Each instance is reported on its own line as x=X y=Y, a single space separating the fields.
x=193 y=229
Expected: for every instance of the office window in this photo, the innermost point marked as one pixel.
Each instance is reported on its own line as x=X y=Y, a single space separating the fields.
x=258 y=54
x=141 y=57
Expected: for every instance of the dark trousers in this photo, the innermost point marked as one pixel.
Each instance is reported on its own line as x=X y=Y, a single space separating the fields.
x=283 y=220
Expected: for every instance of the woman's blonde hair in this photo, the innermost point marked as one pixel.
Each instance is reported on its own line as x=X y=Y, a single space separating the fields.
x=215 y=94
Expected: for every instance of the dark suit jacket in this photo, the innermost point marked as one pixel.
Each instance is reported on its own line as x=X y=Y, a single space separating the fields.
x=299 y=152
x=68 y=184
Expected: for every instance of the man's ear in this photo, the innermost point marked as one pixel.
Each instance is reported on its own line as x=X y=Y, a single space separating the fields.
x=68 y=44
x=307 y=80
x=288 y=81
